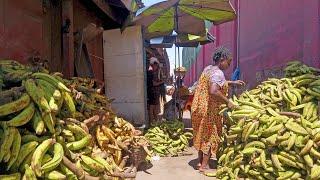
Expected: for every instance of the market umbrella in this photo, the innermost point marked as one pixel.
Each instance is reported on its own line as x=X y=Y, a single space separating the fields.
x=180 y=40
x=182 y=16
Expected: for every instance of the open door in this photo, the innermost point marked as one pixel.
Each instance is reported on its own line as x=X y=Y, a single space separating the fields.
x=124 y=72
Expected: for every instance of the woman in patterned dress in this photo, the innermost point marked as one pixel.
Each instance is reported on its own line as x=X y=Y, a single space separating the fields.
x=210 y=93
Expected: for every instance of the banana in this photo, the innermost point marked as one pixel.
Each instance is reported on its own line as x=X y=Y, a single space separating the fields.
x=25 y=150
x=14 y=176
x=38 y=123
x=291 y=141
x=77 y=145
x=297 y=94
x=69 y=103
x=52 y=80
x=29 y=174
x=49 y=122
x=46 y=158
x=55 y=175
x=107 y=165
x=66 y=133
x=184 y=139
x=30 y=137
x=9 y=134
x=76 y=130
x=15 y=149
x=15 y=106
x=69 y=174
x=37 y=95
x=92 y=164
x=6 y=157
x=88 y=170
x=315 y=172
x=55 y=93
x=307 y=148
x=57 y=158
x=118 y=157
x=38 y=155
x=22 y=118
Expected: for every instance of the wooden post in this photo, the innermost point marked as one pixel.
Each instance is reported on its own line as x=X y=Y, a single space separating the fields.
x=67 y=38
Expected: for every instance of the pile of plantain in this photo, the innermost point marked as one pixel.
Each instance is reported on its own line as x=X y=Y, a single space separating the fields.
x=41 y=136
x=274 y=132
x=297 y=68
x=168 y=138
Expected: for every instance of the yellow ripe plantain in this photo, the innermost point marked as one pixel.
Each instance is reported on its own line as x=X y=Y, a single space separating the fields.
x=118 y=157
x=15 y=106
x=54 y=175
x=109 y=133
x=38 y=123
x=76 y=130
x=29 y=174
x=22 y=118
x=77 y=145
x=92 y=164
x=38 y=156
x=58 y=154
x=46 y=158
x=105 y=163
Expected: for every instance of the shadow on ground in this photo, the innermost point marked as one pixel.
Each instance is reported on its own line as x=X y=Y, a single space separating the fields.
x=212 y=163
x=145 y=166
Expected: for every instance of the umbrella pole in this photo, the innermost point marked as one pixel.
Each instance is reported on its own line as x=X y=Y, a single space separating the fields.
x=176 y=84
x=177 y=61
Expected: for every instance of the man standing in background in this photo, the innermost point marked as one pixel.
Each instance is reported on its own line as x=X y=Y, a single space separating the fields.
x=154 y=83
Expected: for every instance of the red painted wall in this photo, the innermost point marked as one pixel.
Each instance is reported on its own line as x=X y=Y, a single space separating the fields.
x=21 y=29
x=272 y=32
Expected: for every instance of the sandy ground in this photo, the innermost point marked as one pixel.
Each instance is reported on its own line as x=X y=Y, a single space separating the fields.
x=173 y=168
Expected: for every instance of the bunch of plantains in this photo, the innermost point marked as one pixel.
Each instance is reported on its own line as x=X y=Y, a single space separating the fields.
x=41 y=136
x=297 y=68
x=274 y=132
x=168 y=138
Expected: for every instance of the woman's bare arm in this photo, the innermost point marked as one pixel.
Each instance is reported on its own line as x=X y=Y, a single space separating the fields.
x=215 y=90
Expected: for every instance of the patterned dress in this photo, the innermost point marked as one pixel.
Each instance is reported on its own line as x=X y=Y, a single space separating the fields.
x=206 y=122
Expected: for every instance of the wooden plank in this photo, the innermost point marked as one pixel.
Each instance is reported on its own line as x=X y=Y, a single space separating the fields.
x=106 y=9
x=67 y=38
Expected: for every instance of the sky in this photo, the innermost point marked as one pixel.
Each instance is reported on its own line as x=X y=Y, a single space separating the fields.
x=170 y=51
x=171 y=54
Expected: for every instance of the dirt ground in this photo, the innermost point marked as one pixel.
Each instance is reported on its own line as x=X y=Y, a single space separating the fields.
x=173 y=168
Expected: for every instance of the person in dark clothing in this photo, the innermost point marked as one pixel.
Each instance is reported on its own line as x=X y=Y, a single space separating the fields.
x=154 y=83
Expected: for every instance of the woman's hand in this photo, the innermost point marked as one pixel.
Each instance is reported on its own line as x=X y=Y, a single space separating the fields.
x=239 y=82
x=231 y=105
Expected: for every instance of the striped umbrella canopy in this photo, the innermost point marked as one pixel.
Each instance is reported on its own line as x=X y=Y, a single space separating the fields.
x=181 y=40
x=182 y=16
